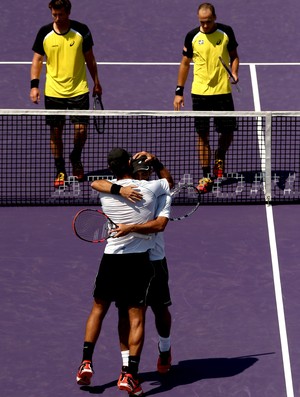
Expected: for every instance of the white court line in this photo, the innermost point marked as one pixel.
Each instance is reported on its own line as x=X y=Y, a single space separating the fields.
x=275 y=262
x=163 y=63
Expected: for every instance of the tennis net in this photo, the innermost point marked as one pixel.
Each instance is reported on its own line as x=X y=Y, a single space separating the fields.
x=262 y=163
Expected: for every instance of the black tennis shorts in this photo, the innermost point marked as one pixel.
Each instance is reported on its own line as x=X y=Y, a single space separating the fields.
x=218 y=103
x=159 y=292
x=80 y=102
x=124 y=279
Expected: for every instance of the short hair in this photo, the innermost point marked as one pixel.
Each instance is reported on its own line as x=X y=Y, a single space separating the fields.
x=58 y=4
x=208 y=6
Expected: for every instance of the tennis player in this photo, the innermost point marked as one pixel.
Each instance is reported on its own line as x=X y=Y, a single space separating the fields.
x=211 y=88
x=123 y=255
x=159 y=295
x=68 y=48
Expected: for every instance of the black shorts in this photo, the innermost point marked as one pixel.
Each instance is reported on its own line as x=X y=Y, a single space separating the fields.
x=80 y=102
x=218 y=103
x=124 y=279
x=159 y=293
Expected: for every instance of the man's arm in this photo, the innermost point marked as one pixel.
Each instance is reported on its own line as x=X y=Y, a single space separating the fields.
x=181 y=80
x=234 y=63
x=93 y=70
x=35 y=73
x=129 y=192
x=157 y=225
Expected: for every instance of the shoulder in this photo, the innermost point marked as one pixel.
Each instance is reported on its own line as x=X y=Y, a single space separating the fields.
x=230 y=33
x=44 y=30
x=192 y=33
x=79 y=27
x=225 y=28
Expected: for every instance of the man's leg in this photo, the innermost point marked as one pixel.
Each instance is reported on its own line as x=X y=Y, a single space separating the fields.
x=224 y=142
x=80 y=136
x=56 y=144
x=129 y=381
x=123 y=330
x=92 y=332
x=204 y=150
x=163 y=322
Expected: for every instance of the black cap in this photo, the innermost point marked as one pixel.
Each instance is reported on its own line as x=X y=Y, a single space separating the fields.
x=118 y=155
x=140 y=164
x=118 y=162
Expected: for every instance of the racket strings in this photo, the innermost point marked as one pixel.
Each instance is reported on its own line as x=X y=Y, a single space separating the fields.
x=92 y=226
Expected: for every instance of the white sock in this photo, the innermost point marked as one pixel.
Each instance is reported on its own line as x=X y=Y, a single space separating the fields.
x=125 y=358
x=164 y=344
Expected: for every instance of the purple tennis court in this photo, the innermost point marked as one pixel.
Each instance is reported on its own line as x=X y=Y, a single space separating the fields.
x=234 y=270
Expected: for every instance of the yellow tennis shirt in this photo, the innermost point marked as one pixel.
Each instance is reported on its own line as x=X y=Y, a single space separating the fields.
x=210 y=77
x=65 y=62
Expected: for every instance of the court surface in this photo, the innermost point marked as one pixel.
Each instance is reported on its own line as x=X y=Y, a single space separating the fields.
x=234 y=270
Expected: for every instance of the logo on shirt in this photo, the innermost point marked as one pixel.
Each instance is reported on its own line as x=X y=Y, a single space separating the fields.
x=219 y=42
x=73 y=42
x=201 y=42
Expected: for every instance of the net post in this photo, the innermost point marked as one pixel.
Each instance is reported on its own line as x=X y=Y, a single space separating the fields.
x=268 y=159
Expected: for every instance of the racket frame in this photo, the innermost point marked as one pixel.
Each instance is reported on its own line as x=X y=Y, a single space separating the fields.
x=96 y=104
x=81 y=213
x=229 y=73
x=195 y=207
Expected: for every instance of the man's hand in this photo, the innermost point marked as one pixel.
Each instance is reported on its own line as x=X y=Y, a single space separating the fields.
x=131 y=193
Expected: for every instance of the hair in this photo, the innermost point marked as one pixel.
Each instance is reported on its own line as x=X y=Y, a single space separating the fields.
x=59 y=4
x=208 y=6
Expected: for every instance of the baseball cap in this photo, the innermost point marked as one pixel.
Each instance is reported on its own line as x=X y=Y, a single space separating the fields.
x=140 y=165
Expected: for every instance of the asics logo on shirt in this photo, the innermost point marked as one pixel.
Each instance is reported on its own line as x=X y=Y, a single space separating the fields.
x=73 y=42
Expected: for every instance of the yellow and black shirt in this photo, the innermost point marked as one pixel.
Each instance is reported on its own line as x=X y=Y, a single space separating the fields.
x=65 y=62
x=210 y=77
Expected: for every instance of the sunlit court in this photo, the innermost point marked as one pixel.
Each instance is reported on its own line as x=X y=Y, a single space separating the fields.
x=233 y=262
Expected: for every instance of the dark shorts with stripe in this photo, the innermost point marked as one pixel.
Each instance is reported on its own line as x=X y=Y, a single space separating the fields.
x=80 y=102
x=159 y=292
x=124 y=279
x=218 y=103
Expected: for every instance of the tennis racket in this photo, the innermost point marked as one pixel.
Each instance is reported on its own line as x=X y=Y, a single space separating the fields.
x=229 y=73
x=185 y=201
x=93 y=226
x=99 y=121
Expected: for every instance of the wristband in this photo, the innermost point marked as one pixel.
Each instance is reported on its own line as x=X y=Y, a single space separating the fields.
x=157 y=165
x=115 y=189
x=179 y=90
x=34 y=83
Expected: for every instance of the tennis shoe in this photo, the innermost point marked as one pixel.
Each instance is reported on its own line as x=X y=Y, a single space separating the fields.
x=130 y=384
x=164 y=362
x=85 y=372
x=122 y=375
x=60 y=179
x=205 y=185
x=219 y=168
x=78 y=171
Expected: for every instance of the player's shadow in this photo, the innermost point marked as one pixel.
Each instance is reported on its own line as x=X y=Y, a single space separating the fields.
x=191 y=371
x=187 y=372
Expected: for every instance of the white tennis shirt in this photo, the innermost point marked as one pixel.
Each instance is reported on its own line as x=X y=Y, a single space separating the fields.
x=120 y=210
